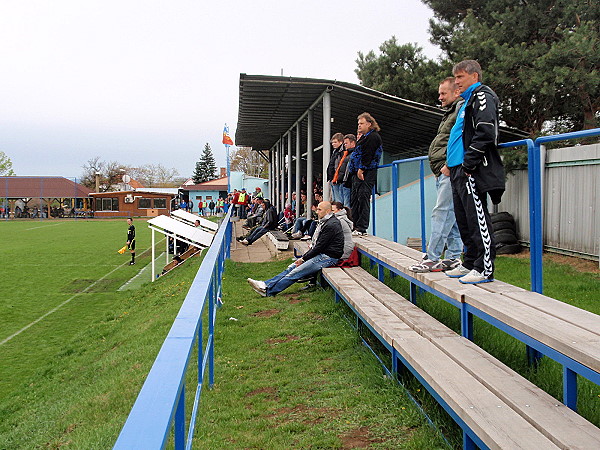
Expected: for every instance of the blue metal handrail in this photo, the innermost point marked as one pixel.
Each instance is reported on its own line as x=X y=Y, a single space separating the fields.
x=534 y=162
x=160 y=405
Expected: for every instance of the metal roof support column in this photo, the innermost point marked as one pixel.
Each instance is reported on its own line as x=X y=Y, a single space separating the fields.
x=289 y=169
x=326 y=143
x=281 y=174
x=272 y=173
x=298 y=168
x=277 y=177
x=309 y=164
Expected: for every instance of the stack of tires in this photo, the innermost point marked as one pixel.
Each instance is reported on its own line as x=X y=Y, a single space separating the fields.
x=505 y=233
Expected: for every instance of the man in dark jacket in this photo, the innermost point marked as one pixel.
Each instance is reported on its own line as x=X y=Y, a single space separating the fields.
x=337 y=143
x=269 y=223
x=476 y=170
x=326 y=250
x=363 y=167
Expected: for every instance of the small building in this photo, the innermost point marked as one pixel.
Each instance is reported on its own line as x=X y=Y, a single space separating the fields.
x=131 y=203
x=205 y=192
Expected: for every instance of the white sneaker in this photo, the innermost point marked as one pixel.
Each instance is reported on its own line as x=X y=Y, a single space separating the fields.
x=306 y=237
x=259 y=286
x=297 y=235
x=245 y=242
x=474 y=277
x=457 y=272
x=359 y=233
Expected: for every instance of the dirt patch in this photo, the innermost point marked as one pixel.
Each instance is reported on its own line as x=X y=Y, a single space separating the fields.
x=266 y=313
x=288 y=338
x=82 y=284
x=294 y=300
x=304 y=414
x=271 y=393
x=579 y=264
x=358 y=438
x=315 y=316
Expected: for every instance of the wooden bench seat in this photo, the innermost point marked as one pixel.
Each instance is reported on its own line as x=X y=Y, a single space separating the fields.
x=502 y=408
x=301 y=247
x=279 y=239
x=572 y=332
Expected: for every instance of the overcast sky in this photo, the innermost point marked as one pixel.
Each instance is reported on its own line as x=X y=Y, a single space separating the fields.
x=147 y=81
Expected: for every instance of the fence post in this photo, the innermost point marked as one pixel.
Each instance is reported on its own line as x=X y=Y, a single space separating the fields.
x=395 y=168
x=373 y=209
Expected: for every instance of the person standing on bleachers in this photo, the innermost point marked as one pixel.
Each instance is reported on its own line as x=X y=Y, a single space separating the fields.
x=476 y=170
x=444 y=229
x=363 y=167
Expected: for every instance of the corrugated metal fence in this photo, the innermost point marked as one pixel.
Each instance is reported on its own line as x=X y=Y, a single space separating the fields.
x=571 y=198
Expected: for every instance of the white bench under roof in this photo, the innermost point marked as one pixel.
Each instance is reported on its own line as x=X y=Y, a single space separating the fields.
x=190 y=218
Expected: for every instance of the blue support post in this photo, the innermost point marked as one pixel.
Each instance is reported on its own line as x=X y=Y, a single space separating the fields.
x=180 y=420
x=468 y=443
x=373 y=215
x=413 y=293
x=422 y=191
x=395 y=168
x=570 y=388
x=466 y=322
x=380 y=273
x=211 y=342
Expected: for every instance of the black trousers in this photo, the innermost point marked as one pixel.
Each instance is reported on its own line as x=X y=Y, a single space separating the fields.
x=474 y=223
x=360 y=199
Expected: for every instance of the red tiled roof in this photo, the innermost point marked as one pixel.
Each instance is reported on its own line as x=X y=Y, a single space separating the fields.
x=41 y=187
x=218 y=184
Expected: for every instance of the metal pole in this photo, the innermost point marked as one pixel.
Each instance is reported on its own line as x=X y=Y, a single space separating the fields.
x=395 y=167
x=326 y=143
x=309 y=164
x=289 y=169
x=153 y=253
x=271 y=170
x=276 y=178
x=298 y=168
x=373 y=213
x=422 y=189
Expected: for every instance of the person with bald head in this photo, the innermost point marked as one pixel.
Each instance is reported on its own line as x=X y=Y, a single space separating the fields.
x=326 y=249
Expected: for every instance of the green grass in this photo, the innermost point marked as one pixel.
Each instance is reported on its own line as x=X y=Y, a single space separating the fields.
x=290 y=370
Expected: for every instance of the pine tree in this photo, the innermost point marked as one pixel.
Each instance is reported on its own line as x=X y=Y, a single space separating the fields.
x=206 y=168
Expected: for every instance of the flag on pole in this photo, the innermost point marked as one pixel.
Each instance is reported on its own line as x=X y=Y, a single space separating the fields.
x=226 y=138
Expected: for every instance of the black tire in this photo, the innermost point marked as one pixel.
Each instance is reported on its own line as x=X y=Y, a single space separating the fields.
x=504 y=225
x=509 y=249
x=505 y=239
x=502 y=216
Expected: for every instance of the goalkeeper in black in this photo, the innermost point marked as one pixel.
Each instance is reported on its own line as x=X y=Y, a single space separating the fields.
x=131 y=240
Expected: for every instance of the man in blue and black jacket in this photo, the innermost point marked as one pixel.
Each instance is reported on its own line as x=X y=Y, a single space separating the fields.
x=476 y=170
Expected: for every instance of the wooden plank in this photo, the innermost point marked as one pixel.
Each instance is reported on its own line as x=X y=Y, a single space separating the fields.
x=404 y=310
x=492 y=420
x=558 y=309
x=301 y=247
x=577 y=343
x=561 y=425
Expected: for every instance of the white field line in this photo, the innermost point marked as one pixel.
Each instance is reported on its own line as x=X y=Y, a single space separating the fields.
x=143 y=270
x=56 y=308
x=44 y=226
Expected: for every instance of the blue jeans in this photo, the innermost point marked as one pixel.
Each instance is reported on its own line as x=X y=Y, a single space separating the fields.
x=300 y=222
x=257 y=234
x=341 y=194
x=294 y=273
x=444 y=228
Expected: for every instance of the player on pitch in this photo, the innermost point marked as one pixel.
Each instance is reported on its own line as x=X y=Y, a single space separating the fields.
x=131 y=240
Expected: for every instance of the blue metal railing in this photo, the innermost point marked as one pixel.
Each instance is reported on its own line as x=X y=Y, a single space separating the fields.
x=160 y=405
x=534 y=166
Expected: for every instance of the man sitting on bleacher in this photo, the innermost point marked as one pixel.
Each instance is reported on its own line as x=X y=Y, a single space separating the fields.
x=326 y=250
x=269 y=223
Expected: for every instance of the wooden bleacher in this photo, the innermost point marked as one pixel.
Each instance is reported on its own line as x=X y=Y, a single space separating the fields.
x=179 y=259
x=495 y=406
x=569 y=335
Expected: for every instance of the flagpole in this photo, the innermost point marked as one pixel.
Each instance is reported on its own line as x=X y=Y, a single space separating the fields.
x=228 y=170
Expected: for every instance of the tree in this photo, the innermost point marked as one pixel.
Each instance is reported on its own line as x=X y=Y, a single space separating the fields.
x=403 y=71
x=206 y=169
x=541 y=57
x=154 y=175
x=244 y=159
x=6 y=166
x=110 y=174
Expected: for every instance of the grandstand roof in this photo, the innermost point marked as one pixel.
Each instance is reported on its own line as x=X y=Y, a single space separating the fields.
x=41 y=187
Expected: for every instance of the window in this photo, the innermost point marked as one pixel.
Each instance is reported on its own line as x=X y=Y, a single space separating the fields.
x=107 y=204
x=160 y=203
x=208 y=197
x=145 y=203
x=198 y=197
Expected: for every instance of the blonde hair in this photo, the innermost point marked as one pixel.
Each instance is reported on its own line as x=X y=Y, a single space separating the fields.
x=369 y=118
